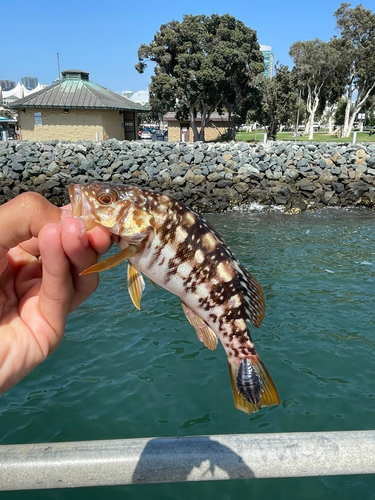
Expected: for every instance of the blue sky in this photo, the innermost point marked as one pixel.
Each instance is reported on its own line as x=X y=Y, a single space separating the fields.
x=103 y=37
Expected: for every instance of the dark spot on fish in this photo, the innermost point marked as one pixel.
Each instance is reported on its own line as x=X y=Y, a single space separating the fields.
x=213 y=317
x=205 y=303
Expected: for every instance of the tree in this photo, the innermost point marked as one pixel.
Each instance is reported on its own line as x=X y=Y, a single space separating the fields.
x=333 y=90
x=7 y=112
x=357 y=28
x=316 y=63
x=340 y=112
x=202 y=64
x=277 y=101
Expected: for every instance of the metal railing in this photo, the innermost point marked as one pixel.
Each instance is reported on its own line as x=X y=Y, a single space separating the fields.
x=159 y=460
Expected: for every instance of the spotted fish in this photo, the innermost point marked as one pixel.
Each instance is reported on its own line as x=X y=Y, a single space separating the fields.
x=176 y=248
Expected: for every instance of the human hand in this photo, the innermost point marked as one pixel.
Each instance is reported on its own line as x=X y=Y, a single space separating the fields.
x=41 y=257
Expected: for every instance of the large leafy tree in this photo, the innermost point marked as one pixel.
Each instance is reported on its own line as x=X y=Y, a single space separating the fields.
x=316 y=66
x=357 y=28
x=202 y=64
x=277 y=101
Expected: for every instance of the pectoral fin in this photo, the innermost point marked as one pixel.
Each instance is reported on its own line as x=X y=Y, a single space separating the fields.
x=136 y=285
x=268 y=396
x=204 y=332
x=112 y=261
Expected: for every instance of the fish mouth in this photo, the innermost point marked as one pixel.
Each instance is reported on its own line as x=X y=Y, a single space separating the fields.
x=80 y=205
x=75 y=200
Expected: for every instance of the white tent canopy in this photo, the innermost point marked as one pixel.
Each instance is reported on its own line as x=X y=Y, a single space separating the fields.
x=18 y=92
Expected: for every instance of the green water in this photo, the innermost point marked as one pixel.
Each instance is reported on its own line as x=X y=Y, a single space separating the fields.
x=121 y=373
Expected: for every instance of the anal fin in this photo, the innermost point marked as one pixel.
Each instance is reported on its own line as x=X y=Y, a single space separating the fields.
x=136 y=285
x=204 y=332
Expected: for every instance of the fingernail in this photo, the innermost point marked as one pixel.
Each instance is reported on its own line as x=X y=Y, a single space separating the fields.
x=84 y=239
x=65 y=213
x=83 y=236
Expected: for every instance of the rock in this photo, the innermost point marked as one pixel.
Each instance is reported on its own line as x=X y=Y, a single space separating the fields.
x=17 y=167
x=189 y=176
x=241 y=187
x=213 y=177
x=326 y=177
x=208 y=175
x=198 y=179
x=306 y=185
x=327 y=196
x=53 y=168
x=179 y=181
x=188 y=158
x=291 y=173
x=198 y=157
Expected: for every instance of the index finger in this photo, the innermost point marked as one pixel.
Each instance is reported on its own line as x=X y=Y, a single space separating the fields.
x=23 y=217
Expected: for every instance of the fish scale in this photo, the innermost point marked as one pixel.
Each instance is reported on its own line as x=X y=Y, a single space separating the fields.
x=175 y=247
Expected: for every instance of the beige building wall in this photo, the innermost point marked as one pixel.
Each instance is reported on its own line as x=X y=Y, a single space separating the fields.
x=112 y=125
x=214 y=130
x=77 y=124
x=174 y=131
x=211 y=131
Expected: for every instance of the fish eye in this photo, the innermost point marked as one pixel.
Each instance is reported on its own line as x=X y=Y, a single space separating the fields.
x=107 y=196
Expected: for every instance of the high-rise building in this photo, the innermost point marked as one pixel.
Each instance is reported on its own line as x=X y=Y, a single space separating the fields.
x=30 y=82
x=7 y=85
x=268 y=60
x=127 y=93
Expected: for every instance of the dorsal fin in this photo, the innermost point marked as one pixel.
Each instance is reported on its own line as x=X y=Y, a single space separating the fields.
x=255 y=305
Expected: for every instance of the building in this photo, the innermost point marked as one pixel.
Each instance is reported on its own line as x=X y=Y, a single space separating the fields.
x=127 y=93
x=76 y=109
x=268 y=60
x=180 y=131
x=30 y=82
x=7 y=127
x=19 y=91
x=7 y=85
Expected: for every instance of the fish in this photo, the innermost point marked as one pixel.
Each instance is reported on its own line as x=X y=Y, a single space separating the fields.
x=176 y=248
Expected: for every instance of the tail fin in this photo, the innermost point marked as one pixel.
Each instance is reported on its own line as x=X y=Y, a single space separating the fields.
x=269 y=394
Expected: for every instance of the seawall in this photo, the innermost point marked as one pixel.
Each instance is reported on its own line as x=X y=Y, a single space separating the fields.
x=209 y=177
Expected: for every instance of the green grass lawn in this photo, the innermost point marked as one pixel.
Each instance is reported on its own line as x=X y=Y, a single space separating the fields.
x=257 y=136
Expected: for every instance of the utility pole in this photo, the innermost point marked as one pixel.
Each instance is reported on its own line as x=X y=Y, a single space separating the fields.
x=58 y=65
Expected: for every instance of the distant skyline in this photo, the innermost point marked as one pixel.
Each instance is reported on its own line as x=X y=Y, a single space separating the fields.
x=103 y=38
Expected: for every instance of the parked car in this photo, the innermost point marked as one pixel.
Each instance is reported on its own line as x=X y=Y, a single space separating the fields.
x=158 y=134
x=145 y=134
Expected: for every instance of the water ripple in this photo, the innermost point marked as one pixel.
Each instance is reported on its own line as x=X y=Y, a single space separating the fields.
x=123 y=373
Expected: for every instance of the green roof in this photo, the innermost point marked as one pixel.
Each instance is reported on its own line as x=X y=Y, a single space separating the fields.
x=76 y=91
